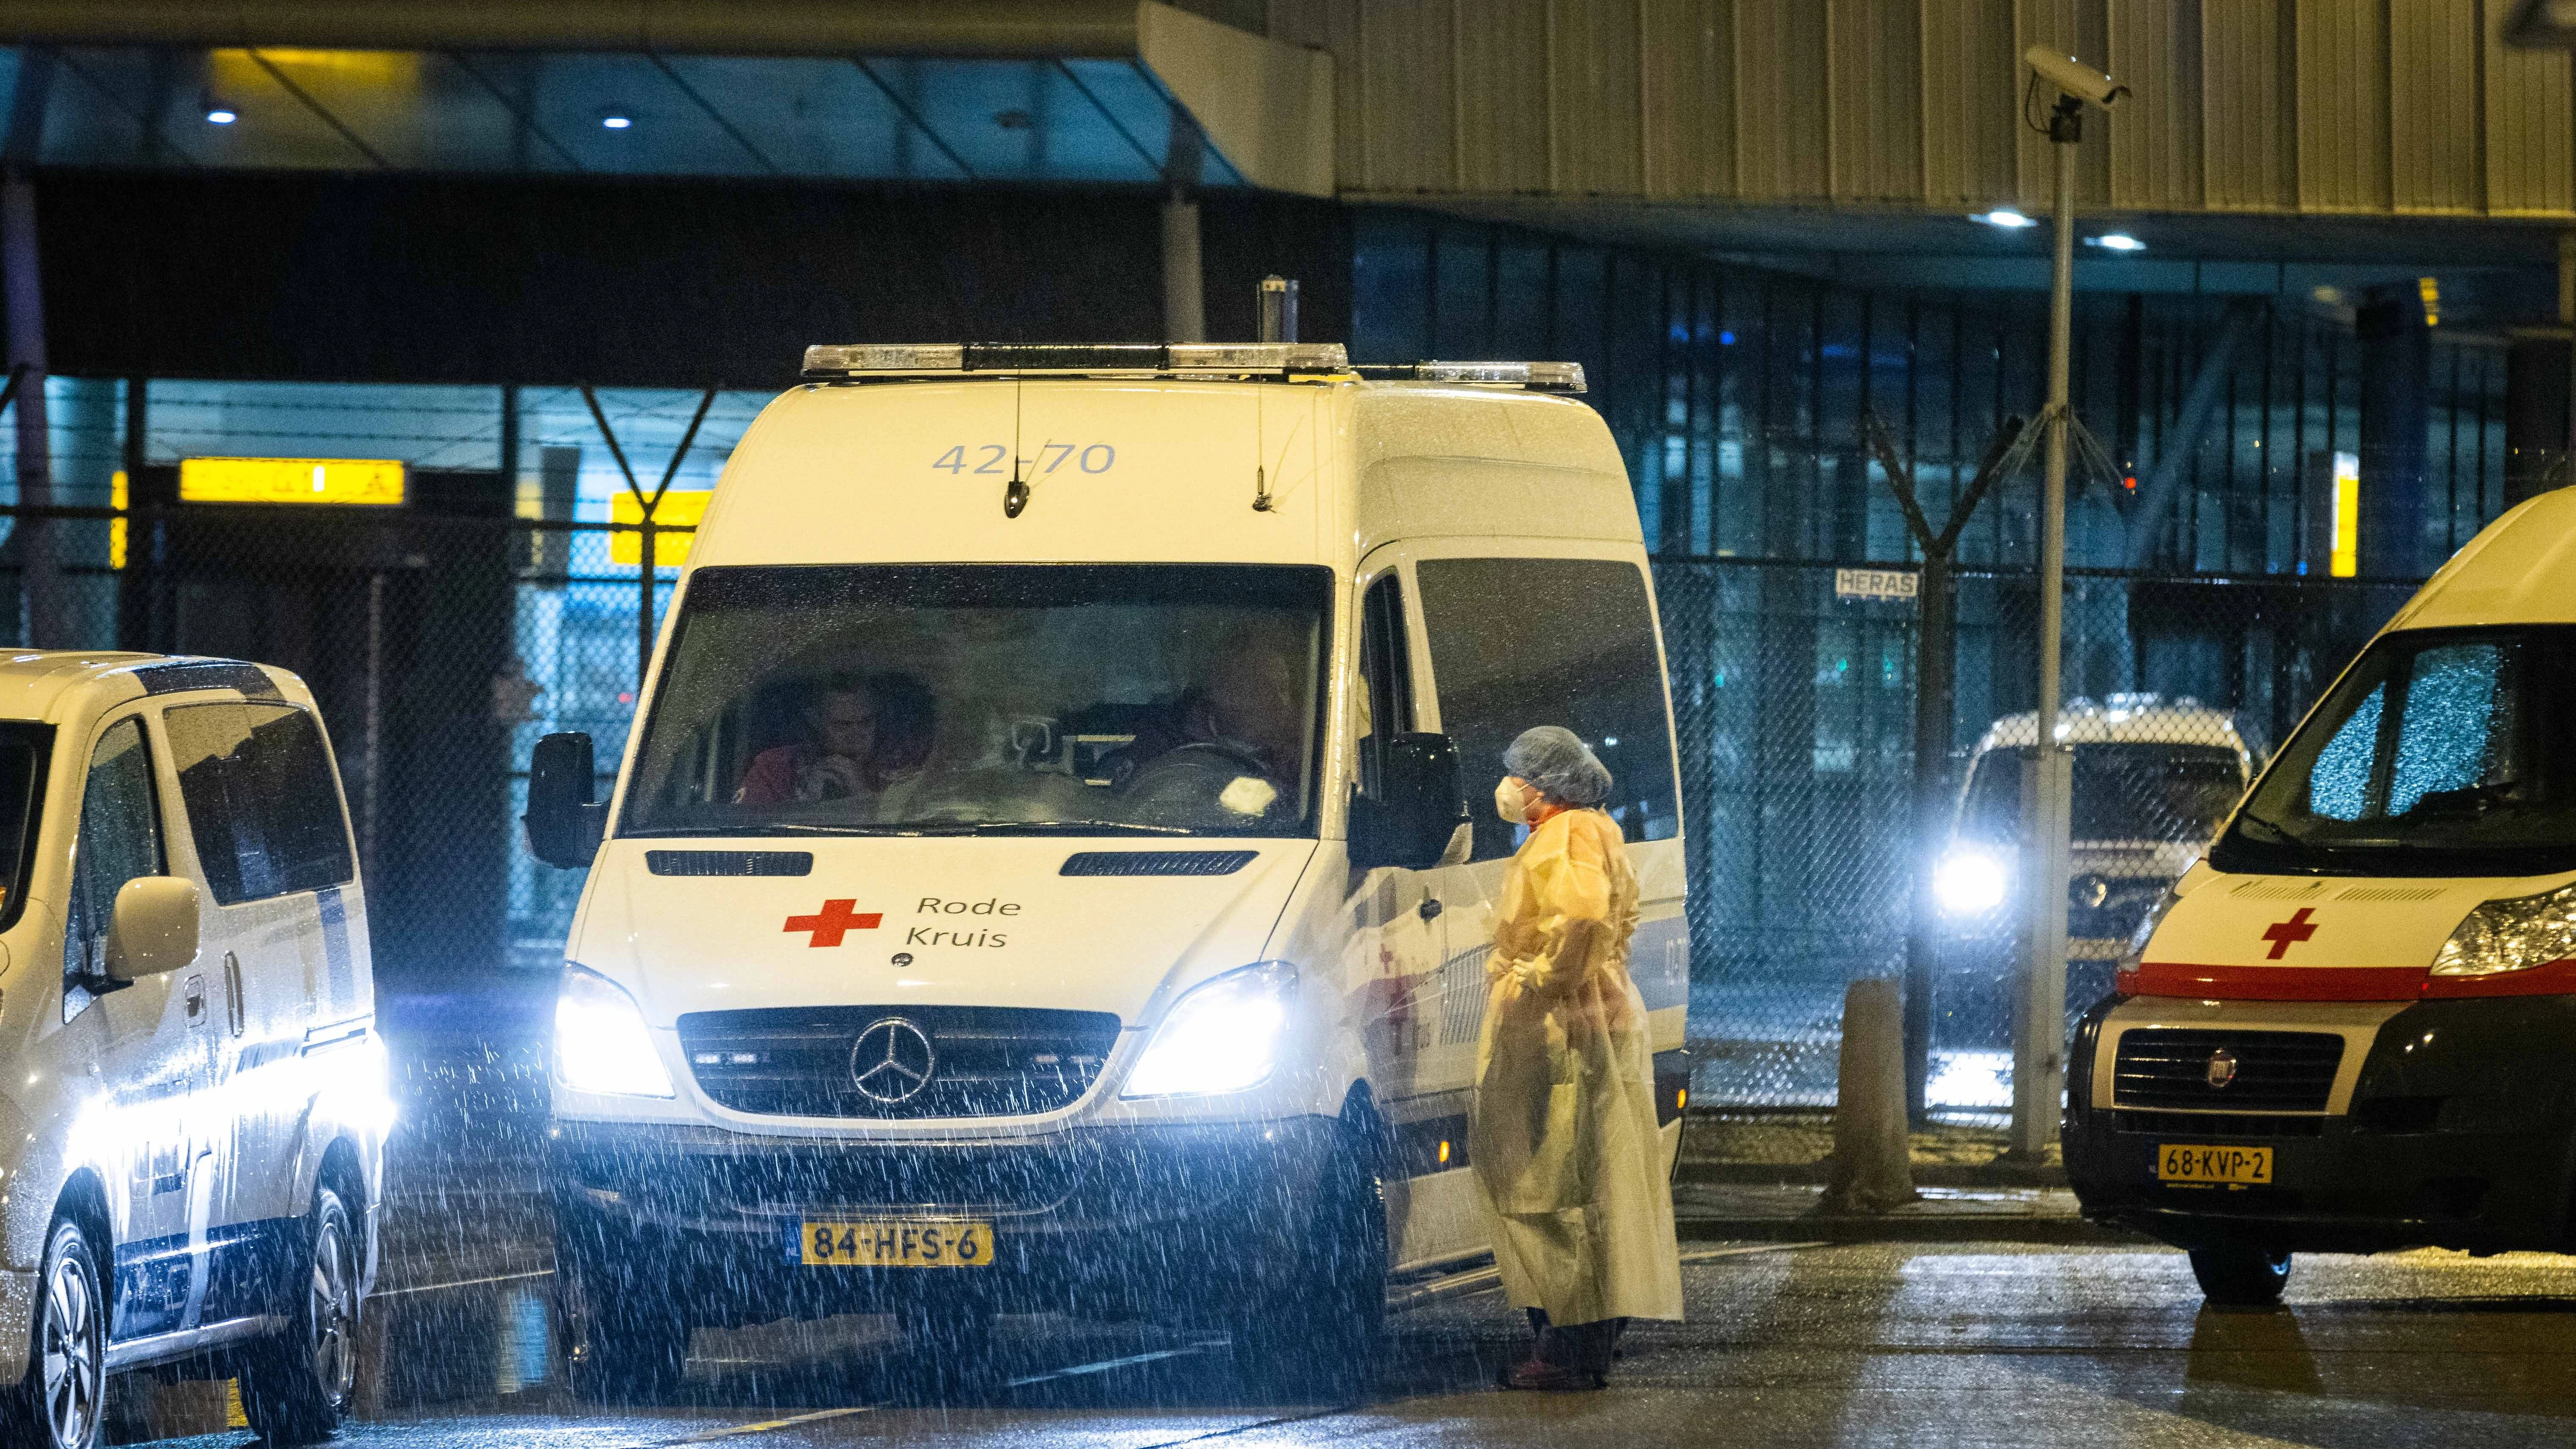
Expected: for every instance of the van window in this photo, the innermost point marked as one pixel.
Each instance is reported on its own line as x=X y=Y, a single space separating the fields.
x=25 y=750
x=1517 y=642
x=1386 y=674
x=991 y=699
x=120 y=839
x=2445 y=752
x=263 y=803
x=2124 y=790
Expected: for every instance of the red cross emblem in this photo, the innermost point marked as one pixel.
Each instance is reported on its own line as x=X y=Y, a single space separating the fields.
x=835 y=920
x=2285 y=934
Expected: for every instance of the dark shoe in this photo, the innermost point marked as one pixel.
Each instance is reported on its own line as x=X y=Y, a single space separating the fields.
x=1546 y=1377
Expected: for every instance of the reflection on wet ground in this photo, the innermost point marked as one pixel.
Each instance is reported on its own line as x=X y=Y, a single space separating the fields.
x=1863 y=1344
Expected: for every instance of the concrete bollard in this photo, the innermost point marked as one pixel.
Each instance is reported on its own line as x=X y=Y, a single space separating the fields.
x=1872 y=1169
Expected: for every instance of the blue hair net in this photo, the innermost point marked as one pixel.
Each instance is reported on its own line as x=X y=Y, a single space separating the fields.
x=1559 y=764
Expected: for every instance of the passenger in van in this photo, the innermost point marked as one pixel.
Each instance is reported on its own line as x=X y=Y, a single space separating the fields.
x=1563 y=1138
x=1221 y=749
x=861 y=736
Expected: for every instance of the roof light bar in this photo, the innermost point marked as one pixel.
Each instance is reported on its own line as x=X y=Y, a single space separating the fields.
x=1564 y=377
x=1229 y=358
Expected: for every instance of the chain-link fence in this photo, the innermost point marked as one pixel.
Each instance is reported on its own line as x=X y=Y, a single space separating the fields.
x=1819 y=855
x=440 y=645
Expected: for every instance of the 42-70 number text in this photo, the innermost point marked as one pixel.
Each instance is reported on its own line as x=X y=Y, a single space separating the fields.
x=995 y=458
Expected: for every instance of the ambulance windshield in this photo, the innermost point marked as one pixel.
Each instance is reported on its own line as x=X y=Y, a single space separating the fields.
x=1090 y=699
x=2445 y=752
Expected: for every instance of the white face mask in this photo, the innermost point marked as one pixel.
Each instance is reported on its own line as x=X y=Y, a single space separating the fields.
x=1511 y=801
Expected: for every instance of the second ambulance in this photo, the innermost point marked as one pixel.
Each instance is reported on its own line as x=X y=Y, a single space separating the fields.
x=2353 y=1027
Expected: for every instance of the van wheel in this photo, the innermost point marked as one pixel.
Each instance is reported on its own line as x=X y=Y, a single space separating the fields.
x=1320 y=1334
x=2235 y=1275
x=57 y=1404
x=623 y=1344
x=296 y=1387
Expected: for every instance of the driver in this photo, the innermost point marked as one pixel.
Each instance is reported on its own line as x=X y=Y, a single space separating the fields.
x=1219 y=754
x=861 y=736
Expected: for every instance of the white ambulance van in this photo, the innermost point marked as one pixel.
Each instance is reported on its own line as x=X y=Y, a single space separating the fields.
x=1043 y=878
x=192 y=1123
x=2351 y=1028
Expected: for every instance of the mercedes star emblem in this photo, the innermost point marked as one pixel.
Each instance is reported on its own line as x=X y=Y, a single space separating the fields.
x=2222 y=1068
x=892 y=1061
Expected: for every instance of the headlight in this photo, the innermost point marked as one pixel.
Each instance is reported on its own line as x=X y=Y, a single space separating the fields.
x=601 y=1042
x=2512 y=935
x=1221 y=1036
x=1970 y=882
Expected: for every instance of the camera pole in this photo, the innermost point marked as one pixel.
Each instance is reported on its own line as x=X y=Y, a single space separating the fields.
x=2048 y=774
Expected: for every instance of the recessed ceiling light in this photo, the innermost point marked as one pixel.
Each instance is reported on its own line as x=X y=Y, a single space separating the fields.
x=220 y=116
x=2005 y=217
x=616 y=122
x=2120 y=241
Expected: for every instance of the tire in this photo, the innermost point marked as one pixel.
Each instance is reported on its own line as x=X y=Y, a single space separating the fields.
x=56 y=1406
x=297 y=1387
x=1320 y=1334
x=624 y=1342
x=2235 y=1275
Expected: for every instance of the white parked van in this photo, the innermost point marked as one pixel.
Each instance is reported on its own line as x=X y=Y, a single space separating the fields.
x=1045 y=854
x=2350 y=1028
x=192 y=1125
x=2154 y=779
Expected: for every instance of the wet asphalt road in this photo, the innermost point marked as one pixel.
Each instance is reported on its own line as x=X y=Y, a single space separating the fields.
x=1864 y=1344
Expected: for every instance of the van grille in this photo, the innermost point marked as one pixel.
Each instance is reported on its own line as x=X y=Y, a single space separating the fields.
x=982 y=1061
x=2275 y=1071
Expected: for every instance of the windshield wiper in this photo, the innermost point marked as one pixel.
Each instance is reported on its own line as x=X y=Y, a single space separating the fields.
x=792 y=827
x=1074 y=827
x=2248 y=817
x=924 y=828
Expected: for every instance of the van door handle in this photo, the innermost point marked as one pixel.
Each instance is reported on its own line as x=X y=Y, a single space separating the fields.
x=1431 y=909
x=194 y=993
x=234 y=1008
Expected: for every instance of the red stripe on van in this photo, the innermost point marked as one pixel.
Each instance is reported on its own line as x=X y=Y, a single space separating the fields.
x=2274 y=983
x=2558 y=978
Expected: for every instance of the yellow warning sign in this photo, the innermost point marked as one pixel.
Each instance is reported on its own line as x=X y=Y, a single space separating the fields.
x=368 y=482
x=670 y=550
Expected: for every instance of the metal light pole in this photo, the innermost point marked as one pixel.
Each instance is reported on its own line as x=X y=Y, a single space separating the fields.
x=2048 y=774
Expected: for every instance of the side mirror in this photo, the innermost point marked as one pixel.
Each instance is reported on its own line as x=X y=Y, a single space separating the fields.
x=153 y=927
x=1418 y=807
x=564 y=827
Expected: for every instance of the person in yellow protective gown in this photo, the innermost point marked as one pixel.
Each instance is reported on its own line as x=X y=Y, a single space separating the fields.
x=1563 y=1138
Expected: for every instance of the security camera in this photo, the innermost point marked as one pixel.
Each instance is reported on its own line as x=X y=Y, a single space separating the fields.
x=2076 y=79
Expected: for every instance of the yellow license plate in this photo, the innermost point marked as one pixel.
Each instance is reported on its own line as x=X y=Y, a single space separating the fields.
x=2178 y=1163
x=895 y=1243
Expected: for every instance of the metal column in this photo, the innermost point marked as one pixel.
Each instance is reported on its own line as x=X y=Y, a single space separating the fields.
x=2039 y=1027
